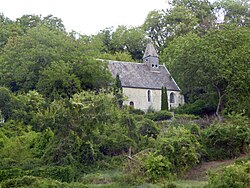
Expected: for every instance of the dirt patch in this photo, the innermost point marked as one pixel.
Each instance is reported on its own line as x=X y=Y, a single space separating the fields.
x=200 y=172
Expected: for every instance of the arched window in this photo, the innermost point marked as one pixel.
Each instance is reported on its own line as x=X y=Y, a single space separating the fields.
x=131 y=103
x=149 y=96
x=172 y=98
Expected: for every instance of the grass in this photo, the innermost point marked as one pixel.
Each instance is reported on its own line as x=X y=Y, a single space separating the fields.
x=116 y=178
x=196 y=179
x=189 y=183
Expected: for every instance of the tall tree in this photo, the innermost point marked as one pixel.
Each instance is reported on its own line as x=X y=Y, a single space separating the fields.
x=155 y=27
x=208 y=64
x=124 y=39
x=24 y=57
x=164 y=98
x=234 y=11
x=118 y=91
x=202 y=9
x=57 y=80
x=6 y=103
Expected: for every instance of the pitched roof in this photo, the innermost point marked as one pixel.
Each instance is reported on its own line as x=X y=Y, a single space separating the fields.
x=150 y=50
x=138 y=75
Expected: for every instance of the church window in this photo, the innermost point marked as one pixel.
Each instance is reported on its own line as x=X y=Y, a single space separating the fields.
x=172 y=98
x=131 y=103
x=149 y=96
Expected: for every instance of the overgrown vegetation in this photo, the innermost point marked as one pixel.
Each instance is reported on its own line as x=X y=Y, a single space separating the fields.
x=65 y=139
x=62 y=123
x=236 y=175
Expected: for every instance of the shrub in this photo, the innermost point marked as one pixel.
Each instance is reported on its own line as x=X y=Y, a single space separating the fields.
x=38 y=182
x=148 y=128
x=237 y=176
x=18 y=148
x=114 y=141
x=147 y=166
x=10 y=173
x=136 y=111
x=62 y=173
x=237 y=119
x=180 y=147
x=194 y=129
x=225 y=141
x=159 y=116
x=156 y=167
x=199 y=107
x=19 y=182
x=188 y=117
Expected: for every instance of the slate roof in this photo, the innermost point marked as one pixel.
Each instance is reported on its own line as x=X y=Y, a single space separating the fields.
x=138 y=75
x=150 y=50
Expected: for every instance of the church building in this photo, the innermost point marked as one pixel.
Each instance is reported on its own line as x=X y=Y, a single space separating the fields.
x=142 y=82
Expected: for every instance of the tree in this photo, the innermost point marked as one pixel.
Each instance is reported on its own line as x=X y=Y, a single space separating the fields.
x=183 y=16
x=6 y=103
x=57 y=80
x=209 y=65
x=24 y=56
x=135 y=42
x=53 y=22
x=203 y=10
x=118 y=56
x=155 y=27
x=118 y=91
x=93 y=74
x=180 y=20
x=28 y=21
x=234 y=11
x=123 y=40
x=164 y=98
x=27 y=107
x=8 y=29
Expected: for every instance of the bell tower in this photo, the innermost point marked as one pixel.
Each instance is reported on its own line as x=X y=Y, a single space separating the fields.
x=151 y=57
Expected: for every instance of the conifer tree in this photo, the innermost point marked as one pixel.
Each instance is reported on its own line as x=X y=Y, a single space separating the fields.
x=118 y=91
x=164 y=98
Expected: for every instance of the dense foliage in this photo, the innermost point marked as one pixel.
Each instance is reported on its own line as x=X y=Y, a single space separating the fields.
x=236 y=175
x=61 y=113
x=164 y=98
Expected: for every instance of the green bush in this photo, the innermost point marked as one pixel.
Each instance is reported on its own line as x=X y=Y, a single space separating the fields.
x=148 y=128
x=114 y=141
x=199 y=107
x=19 y=182
x=236 y=176
x=156 y=167
x=194 y=129
x=136 y=111
x=180 y=147
x=225 y=141
x=10 y=173
x=174 y=151
x=159 y=116
x=37 y=182
x=62 y=173
x=188 y=117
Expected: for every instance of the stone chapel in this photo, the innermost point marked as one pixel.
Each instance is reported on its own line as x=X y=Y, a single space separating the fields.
x=142 y=82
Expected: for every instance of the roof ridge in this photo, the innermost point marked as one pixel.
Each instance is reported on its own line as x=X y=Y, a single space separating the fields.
x=116 y=61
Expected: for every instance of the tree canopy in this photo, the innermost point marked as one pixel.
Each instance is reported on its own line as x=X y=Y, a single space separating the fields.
x=61 y=112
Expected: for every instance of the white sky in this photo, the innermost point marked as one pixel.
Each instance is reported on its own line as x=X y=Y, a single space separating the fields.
x=85 y=16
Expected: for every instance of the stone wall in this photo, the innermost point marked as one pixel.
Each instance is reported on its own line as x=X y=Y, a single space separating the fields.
x=145 y=99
